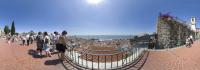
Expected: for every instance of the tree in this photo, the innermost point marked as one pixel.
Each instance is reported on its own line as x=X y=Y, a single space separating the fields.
x=13 y=28
x=6 y=30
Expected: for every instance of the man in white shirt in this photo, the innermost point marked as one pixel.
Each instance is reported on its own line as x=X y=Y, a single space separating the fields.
x=55 y=38
x=23 y=40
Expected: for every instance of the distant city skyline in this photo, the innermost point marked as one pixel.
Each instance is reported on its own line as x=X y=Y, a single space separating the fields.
x=78 y=17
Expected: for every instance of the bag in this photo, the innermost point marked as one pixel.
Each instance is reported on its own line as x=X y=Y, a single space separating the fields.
x=40 y=39
x=61 y=40
x=46 y=41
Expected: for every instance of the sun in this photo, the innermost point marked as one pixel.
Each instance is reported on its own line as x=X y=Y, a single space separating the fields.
x=95 y=2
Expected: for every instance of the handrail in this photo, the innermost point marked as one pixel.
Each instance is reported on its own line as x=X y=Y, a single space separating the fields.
x=108 y=61
x=106 y=51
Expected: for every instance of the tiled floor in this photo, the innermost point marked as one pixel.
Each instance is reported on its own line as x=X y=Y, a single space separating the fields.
x=17 y=57
x=177 y=59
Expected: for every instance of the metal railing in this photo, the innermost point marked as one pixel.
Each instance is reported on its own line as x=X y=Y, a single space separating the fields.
x=89 y=60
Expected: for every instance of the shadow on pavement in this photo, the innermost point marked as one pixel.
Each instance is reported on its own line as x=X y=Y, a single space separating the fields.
x=139 y=63
x=22 y=44
x=53 y=62
x=34 y=54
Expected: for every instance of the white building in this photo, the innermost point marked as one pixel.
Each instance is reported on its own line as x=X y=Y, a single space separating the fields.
x=193 y=24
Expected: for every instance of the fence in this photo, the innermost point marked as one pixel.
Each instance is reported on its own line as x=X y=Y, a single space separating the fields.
x=89 y=60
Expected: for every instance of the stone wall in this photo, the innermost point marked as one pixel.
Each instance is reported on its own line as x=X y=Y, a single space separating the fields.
x=171 y=32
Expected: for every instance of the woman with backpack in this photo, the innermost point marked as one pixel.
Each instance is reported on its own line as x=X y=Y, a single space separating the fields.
x=62 y=42
x=47 y=44
x=39 y=42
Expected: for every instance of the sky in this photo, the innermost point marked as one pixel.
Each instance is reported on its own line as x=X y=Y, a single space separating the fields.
x=78 y=17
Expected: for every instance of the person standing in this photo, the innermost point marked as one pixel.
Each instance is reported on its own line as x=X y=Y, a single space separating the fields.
x=55 y=40
x=8 y=38
x=27 y=39
x=191 y=39
x=62 y=43
x=13 y=38
x=23 y=39
x=188 y=42
x=47 y=44
x=39 y=42
x=31 y=39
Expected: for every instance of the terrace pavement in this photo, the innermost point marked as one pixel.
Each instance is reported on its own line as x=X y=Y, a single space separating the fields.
x=175 y=59
x=16 y=57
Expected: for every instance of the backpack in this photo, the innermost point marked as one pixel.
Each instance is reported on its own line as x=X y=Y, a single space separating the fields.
x=40 y=39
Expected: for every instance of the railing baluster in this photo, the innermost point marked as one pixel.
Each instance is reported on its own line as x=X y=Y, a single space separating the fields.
x=78 y=58
x=82 y=55
x=111 y=61
x=86 y=61
x=98 y=61
x=137 y=53
x=75 y=55
x=132 y=54
x=117 y=60
x=129 y=55
x=92 y=61
x=126 y=57
x=105 y=62
x=71 y=55
x=122 y=59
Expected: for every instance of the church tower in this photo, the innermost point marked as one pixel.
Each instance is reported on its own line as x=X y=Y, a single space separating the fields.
x=193 y=24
